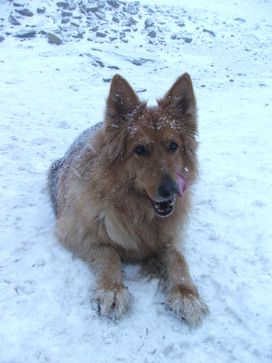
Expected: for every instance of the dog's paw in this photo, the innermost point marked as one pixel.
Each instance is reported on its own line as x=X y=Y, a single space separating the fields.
x=113 y=303
x=187 y=305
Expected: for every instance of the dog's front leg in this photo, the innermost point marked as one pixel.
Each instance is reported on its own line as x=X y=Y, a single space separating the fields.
x=111 y=296
x=183 y=297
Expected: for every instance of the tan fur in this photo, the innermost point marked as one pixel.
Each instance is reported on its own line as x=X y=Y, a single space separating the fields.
x=101 y=192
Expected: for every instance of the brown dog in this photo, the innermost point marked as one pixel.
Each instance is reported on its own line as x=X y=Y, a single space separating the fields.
x=122 y=192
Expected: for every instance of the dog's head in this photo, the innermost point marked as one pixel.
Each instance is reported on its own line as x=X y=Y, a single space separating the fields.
x=155 y=145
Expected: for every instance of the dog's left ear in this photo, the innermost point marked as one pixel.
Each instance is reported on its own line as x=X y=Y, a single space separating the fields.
x=180 y=99
x=122 y=100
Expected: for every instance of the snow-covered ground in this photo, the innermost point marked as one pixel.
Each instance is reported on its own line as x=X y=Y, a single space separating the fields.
x=49 y=93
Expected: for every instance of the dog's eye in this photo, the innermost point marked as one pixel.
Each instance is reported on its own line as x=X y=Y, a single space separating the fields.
x=141 y=150
x=173 y=146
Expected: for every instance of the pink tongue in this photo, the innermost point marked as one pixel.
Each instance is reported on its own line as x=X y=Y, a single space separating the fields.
x=181 y=184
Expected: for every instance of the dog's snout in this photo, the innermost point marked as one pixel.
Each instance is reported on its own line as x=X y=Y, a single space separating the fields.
x=168 y=188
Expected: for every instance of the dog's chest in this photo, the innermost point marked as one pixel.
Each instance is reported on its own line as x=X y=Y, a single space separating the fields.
x=136 y=239
x=120 y=234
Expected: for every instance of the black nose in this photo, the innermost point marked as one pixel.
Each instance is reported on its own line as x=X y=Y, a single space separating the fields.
x=168 y=188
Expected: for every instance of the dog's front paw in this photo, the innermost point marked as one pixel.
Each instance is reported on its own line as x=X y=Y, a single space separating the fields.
x=187 y=305
x=113 y=303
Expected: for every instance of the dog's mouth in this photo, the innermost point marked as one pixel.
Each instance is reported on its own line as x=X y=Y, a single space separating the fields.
x=164 y=209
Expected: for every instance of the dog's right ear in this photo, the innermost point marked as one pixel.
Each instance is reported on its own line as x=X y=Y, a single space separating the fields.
x=122 y=101
x=180 y=99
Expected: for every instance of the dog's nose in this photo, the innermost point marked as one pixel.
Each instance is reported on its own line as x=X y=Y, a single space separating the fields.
x=168 y=188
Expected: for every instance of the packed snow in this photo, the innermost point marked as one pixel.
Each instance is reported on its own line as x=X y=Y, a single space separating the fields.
x=55 y=69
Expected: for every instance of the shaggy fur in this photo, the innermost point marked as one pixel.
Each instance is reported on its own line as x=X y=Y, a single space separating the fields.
x=116 y=195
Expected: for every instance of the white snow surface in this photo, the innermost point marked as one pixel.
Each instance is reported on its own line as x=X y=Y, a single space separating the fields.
x=49 y=94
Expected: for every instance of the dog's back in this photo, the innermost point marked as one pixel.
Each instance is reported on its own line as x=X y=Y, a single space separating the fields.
x=58 y=165
x=52 y=182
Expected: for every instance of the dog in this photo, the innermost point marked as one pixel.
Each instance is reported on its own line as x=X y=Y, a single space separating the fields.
x=122 y=193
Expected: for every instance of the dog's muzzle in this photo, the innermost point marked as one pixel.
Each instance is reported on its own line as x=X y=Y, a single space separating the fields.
x=167 y=192
x=164 y=209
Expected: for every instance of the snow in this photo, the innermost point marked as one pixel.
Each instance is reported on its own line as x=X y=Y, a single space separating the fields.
x=49 y=94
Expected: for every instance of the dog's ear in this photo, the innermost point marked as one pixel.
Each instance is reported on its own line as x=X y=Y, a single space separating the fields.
x=122 y=100
x=180 y=99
